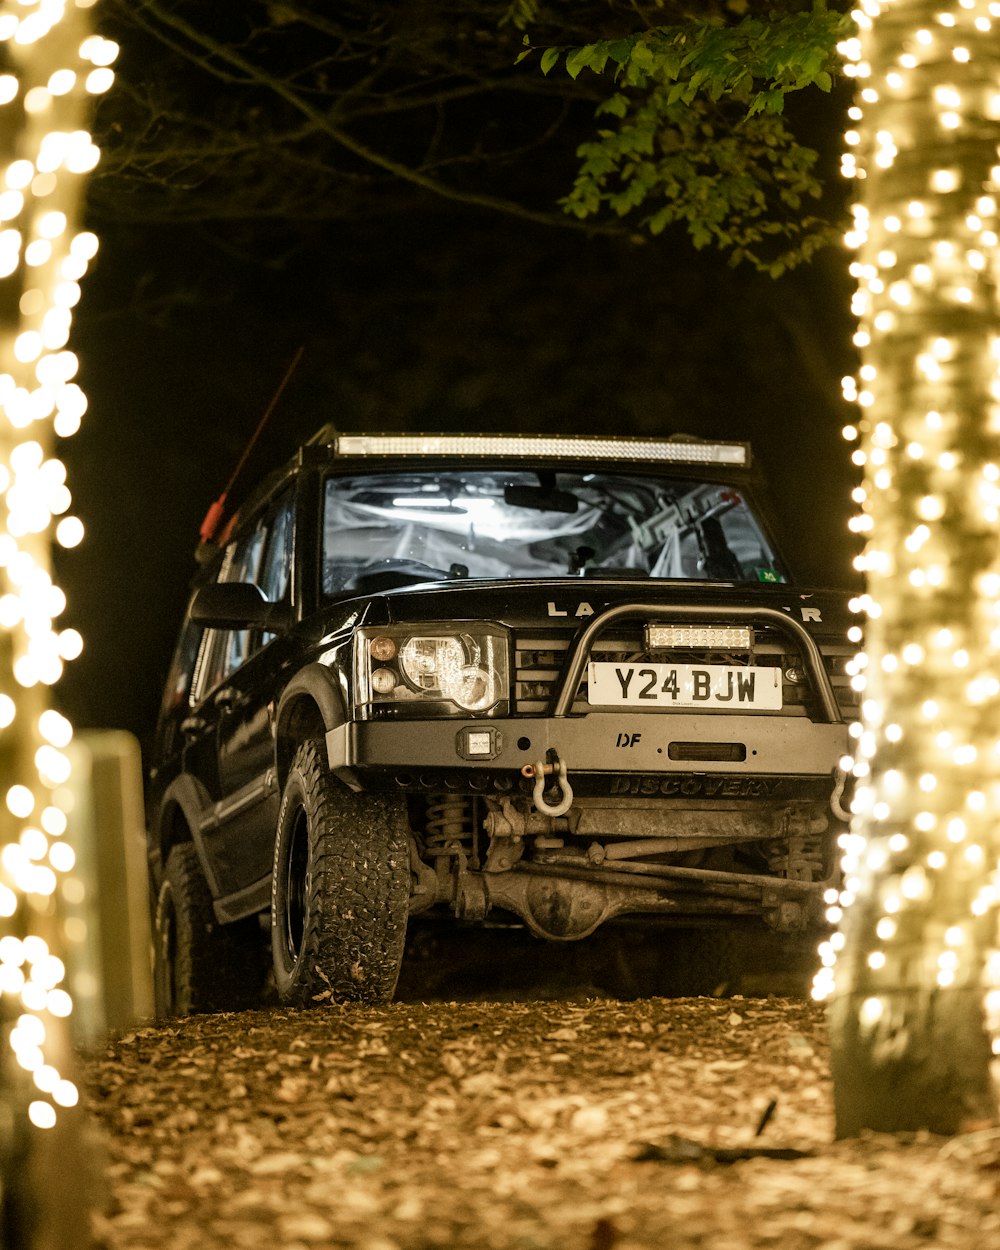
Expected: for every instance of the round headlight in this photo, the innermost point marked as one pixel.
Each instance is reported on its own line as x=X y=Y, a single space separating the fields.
x=451 y=667
x=427 y=663
x=471 y=688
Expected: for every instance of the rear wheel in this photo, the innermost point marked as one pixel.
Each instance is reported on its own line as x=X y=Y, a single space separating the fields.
x=340 y=889
x=199 y=965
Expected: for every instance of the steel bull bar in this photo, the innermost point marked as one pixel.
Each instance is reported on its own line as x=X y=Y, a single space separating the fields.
x=580 y=647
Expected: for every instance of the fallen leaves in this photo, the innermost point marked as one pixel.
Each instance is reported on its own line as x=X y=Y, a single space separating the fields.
x=513 y=1126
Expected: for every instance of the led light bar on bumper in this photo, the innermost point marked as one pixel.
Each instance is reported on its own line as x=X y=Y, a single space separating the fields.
x=432 y=669
x=579 y=447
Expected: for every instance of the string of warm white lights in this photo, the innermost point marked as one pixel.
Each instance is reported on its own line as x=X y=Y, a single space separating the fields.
x=920 y=864
x=51 y=67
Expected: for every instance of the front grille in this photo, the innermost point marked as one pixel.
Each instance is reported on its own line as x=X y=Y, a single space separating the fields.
x=540 y=659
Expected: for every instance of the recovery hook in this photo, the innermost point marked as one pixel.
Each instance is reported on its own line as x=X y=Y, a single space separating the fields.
x=840 y=782
x=540 y=770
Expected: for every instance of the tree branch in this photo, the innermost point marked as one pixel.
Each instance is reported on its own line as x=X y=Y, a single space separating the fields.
x=248 y=73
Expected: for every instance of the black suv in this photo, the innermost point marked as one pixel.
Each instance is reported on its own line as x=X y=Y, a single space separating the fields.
x=547 y=680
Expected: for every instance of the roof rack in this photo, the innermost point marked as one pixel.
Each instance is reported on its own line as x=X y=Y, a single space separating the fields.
x=678 y=449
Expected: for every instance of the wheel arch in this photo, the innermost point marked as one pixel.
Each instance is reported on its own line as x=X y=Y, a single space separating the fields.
x=177 y=819
x=310 y=706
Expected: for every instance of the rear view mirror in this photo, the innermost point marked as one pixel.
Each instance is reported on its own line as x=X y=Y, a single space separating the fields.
x=540 y=498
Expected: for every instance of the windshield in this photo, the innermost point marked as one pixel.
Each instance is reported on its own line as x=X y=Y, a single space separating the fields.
x=385 y=529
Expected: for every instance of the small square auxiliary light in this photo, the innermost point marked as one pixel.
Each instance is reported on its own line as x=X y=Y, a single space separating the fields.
x=701 y=637
x=479 y=744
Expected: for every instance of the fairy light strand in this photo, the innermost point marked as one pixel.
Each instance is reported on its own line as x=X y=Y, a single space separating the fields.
x=53 y=66
x=921 y=863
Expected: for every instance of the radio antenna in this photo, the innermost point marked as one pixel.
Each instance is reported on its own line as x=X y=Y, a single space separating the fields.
x=214 y=515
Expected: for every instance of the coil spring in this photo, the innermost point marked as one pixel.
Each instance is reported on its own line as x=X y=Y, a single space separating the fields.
x=448 y=825
x=803 y=862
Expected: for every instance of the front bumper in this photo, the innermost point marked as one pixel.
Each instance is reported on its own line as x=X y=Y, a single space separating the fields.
x=621 y=752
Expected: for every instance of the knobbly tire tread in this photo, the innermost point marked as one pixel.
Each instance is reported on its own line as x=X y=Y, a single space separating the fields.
x=215 y=967
x=359 y=885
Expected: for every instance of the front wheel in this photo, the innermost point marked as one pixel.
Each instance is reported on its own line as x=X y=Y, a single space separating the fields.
x=340 y=888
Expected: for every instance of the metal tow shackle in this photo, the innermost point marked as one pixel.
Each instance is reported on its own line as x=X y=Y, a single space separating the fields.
x=540 y=770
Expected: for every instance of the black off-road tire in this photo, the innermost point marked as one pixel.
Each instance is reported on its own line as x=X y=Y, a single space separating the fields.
x=199 y=965
x=340 y=889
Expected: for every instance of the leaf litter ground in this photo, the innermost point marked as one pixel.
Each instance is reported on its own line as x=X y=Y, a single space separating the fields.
x=570 y=1123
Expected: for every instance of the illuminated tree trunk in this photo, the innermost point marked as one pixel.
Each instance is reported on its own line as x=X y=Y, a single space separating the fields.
x=915 y=980
x=50 y=66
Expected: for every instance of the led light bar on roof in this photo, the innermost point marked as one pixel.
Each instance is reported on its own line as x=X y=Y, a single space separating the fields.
x=662 y=450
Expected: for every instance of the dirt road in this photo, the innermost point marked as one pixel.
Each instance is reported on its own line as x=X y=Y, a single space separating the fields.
x=534 y=1125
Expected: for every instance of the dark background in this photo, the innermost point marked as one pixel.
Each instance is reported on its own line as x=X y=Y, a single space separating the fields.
x=417 y=315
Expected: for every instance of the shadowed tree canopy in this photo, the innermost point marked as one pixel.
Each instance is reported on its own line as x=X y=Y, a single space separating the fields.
x=612 y=116
x=389 y=186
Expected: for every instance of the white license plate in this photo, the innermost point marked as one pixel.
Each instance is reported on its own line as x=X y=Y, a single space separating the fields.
x=684 y=685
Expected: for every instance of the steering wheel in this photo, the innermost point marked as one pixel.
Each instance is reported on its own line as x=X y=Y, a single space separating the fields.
x=386 y=574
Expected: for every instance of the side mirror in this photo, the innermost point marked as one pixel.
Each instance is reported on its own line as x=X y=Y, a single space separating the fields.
x=238 y=605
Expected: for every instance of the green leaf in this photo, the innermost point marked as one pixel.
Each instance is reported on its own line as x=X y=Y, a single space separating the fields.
x=619 y=50
x=549 y=57
x=616 y=105
x=642 y=55
x=579 y=59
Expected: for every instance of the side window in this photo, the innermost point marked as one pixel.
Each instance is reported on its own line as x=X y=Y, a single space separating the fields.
x=261 y=556
x=222 y=650
x=178 y=685
x=276 y=570
x=245 y=567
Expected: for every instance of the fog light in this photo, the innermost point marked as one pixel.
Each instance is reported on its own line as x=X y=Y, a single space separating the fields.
x=383 y=680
